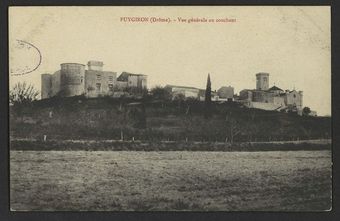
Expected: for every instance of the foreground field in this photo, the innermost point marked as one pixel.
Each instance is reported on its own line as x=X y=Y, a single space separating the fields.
x=230 y=181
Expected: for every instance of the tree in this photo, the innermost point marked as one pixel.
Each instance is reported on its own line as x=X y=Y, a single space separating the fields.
x=22 y=93
x=136 y=91
x=189 y=102
x=121 y=120
x=207 y=99
x=138 y=115
x=179 y=99
x=145 y=93
x=306 y=111
x=251 y=127
x=21 y=96
x=160 y=93
x=234 y=127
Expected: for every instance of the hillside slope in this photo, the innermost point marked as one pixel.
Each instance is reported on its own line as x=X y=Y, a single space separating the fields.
x=107 y=118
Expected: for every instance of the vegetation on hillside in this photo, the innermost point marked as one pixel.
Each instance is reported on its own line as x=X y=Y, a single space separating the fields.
x=207 y=99
x=22 y=93
x=157 y=118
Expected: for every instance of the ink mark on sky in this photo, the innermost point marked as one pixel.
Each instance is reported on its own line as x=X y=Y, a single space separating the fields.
x=25 y=58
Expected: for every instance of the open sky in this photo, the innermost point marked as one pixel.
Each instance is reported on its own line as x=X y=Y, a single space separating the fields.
x=289 y=42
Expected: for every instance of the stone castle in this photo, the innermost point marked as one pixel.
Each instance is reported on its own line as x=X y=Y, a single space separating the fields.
x=273 y=98
x=73 y=79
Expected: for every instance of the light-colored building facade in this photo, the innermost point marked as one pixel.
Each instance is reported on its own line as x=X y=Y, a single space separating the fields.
x=273 y=98
x=294 y=98
x=185 y=91
x=222 y=95
x=73 y=79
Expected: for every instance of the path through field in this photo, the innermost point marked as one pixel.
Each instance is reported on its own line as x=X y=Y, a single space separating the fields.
x=229 y=181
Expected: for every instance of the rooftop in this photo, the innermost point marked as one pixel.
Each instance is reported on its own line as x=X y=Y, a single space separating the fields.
x=98 y=71
x=274 y=88
x=124 y=76
x=95 y=63
x=72 y=63
x=184 y=87
x=262 y=73
x=226 y=87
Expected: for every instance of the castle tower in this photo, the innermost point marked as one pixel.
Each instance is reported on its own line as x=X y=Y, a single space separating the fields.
x=46 y=85
x=262 y=81
x=72 y=79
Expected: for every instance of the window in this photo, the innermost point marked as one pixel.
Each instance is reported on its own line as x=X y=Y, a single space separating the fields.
x=111 y=78
x=98 y=87
x=99 y=77
x=111 y=87
x=81 y=79
x=294 y=96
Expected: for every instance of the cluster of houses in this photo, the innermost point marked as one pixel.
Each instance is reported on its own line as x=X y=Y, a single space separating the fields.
x=263 y=97
x=225 y=93
x=73 y=79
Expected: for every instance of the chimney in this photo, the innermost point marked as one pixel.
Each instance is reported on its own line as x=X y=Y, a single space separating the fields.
x=95 y=65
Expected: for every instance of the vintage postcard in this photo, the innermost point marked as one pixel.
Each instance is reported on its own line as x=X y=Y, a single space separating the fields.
x=169 y=108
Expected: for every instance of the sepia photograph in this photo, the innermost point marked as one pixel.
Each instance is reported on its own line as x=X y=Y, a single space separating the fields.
x=170 y=108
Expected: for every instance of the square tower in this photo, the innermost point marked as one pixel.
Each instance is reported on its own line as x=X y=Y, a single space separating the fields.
x=262 y=81
x=95 y=65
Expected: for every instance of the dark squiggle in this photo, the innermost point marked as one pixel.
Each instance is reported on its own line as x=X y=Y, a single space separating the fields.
x=40 y=58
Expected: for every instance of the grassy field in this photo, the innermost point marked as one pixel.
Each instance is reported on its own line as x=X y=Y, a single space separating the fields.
x=117 y=145
x=213 y=181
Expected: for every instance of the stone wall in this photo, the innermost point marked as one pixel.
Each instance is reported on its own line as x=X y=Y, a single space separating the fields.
x=121 y=85
x=226 y=92
x=263 y=96
x=246 y=95
x=139 y=81
x=72 y=79
x=55 y=83
x=100 y=83
x=46 y=82
x=264 y=106
x=294 y=98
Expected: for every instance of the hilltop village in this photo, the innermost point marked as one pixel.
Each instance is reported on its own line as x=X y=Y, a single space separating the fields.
x=73 y=79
